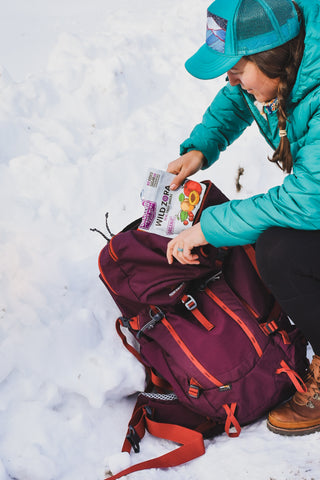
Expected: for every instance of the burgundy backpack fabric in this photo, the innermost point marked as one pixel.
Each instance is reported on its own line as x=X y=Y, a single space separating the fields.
x=218 y=351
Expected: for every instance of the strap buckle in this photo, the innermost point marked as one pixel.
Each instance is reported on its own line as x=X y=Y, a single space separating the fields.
x=189 y=302
x=156 y=315
x=134 y=439
x=194 y=391
x=269 y=327
x=125 y=322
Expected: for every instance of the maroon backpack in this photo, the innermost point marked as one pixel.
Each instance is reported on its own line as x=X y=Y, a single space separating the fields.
x=218 y=351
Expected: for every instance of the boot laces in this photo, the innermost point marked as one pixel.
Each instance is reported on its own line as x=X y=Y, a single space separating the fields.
x=312 y=382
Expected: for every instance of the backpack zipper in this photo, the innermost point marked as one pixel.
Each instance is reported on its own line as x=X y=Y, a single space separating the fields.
x=113 y=254
x=103 y=276
x=237 y=319
x=189 y=354
x=249 y=308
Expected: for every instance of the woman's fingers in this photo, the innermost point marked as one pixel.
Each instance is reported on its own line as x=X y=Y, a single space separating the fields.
x=184 y=166
x=182 y=245
x=182 y=253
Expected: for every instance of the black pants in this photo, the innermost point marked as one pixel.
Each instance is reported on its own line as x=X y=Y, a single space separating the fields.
x=289 y=264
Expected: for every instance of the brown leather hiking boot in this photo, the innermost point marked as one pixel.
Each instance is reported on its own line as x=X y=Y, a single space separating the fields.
x=301 y=414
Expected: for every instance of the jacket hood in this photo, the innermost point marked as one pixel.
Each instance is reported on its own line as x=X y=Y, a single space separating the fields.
x=309 y=72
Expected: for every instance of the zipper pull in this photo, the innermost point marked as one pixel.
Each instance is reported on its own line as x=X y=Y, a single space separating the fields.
x=214 y=277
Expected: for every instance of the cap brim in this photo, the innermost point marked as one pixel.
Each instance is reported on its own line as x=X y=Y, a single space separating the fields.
x=206 y=63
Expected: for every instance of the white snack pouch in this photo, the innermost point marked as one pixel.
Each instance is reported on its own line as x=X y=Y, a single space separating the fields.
x=169 y=212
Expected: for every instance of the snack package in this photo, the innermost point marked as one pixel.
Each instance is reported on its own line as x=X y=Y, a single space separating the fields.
x=169 y=212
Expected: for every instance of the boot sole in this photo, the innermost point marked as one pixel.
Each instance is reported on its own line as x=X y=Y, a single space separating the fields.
x=293 y=432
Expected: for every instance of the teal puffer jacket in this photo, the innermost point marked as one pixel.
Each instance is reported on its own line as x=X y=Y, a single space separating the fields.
x=295 y=203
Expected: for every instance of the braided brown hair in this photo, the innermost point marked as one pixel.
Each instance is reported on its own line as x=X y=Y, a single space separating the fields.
x=282 y=62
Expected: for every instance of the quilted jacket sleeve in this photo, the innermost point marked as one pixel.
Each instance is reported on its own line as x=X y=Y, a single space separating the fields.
x=294 y=204
x=223 y=122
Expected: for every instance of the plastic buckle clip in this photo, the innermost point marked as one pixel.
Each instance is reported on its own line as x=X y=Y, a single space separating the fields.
x=270 y=327
x=134 y=439
x=213 y=278
x=148 y=411
x=190 y=303
x=125 y=322
x=194 y=391
x=156 y=317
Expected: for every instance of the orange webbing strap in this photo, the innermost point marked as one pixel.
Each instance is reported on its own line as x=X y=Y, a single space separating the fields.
x=276 y=309
x=159 y=382
x=275 y=312
x=294 y=377
x=252 y=256
x=231 y=420
x=192 y=445
x=191 y=305
x=271 y=325
x=125 y=341
x=202 y=319
x=137 y=427
x=285 y=337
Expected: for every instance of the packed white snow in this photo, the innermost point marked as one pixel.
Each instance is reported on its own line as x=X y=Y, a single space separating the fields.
x=92 y=93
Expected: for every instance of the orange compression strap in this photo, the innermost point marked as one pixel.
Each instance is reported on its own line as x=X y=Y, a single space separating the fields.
x=231 y=420
x=294 y=377
x=160 y=383
x=285 y=337
x=191 y=305
x=271 y=326
x=191 y=442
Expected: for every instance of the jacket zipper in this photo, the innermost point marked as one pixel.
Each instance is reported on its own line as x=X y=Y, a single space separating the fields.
x=258 y=124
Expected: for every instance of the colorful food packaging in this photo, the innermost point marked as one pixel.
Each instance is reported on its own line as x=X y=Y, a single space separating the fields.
x=169 y=212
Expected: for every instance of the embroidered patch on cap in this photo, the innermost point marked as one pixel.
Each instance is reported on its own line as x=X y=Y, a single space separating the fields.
x=216 y=32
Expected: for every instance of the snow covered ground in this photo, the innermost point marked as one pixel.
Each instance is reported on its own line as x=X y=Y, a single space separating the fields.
x=92 y=93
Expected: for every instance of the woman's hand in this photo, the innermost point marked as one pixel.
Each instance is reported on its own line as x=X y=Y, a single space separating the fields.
x=184 y=166
x=180 y=247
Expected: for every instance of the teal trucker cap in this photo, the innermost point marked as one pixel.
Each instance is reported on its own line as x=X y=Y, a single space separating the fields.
x=236 y=28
